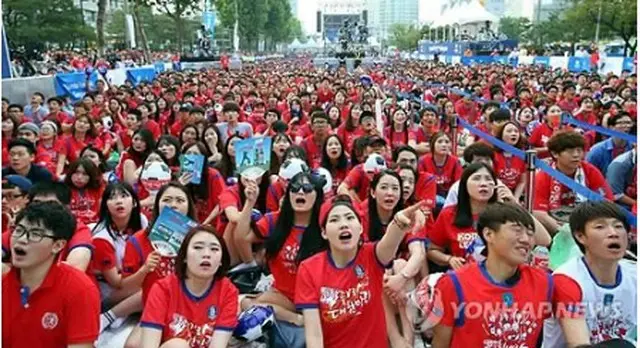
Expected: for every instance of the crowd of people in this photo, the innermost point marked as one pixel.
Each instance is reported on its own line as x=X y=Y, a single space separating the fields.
x=411 y=194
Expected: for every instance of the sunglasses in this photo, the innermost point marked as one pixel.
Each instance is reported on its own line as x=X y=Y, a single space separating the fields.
x=306 y=187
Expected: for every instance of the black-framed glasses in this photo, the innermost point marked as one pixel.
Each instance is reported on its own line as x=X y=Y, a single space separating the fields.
x=306 y=187
x=34 y=235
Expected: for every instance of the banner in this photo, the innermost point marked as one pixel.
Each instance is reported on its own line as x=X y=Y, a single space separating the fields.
x=158 y=67
x=209 y=21
x=7 y=72
x=253 y=156
x=579 y=64
x=138 y=75
x=169 y=231
x=628 y=64
x=74 y=84
x=544 y=61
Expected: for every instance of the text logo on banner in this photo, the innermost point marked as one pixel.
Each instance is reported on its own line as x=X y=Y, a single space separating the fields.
x=74 y=85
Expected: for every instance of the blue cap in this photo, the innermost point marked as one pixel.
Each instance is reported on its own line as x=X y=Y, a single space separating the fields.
x=19 y=181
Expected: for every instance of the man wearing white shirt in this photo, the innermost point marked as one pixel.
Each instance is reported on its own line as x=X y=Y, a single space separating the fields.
x=608 y=282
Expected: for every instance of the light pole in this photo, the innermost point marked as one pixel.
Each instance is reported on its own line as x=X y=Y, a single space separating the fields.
x=598 y=23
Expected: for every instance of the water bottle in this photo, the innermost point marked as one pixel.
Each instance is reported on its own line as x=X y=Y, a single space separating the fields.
x=540 y=257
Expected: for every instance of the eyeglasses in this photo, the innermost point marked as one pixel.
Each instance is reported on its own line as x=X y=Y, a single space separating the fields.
x=34 y=235
x=306 y=187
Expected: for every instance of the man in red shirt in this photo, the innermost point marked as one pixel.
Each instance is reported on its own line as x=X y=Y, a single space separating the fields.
x=553 y=200
x=314 y=142
x=467 y=109
x=568 y=102
x=56 y=113
x=502 y=301
x=46 y=303
x=325 y=94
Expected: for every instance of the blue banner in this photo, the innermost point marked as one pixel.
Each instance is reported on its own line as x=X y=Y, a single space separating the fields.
x=544 y=61
x=7 y=73
x=444 y=48
x=209 y=21
x=487 y=60
x=627 y=64
x=138 y=75
x=158 y=67
x=74 y=84
x=579 y=64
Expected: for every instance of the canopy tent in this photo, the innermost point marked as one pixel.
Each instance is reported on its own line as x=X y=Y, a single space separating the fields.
x=464 y=13
x=296 y=44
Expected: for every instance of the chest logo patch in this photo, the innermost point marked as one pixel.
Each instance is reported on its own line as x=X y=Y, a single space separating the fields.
x=49 y=321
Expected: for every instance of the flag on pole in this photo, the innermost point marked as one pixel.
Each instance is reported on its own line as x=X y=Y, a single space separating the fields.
x=7 y=71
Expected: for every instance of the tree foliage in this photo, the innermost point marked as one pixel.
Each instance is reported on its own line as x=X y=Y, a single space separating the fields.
x=35 y=24
x=177 y=10
x=405 y=37
x=268 y=20
x=514 y=27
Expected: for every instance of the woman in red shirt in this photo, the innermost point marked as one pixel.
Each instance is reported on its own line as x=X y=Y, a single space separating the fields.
x=132 y=159
x=290 y=236
x=441 y=163
x=9 y=131
x=170 y=147
x=339 y=290
x=349 y=130
x=49 y=146
x=586 y=113
x=141 y=262
x=397 y=133
x=543 y=132
x=454 y=229
x=335 y=160
x=281 y=142
x=85 y=182
x=206 y=195
x=189 y=135
x=197 y=306
x=120 y=218
x=510 y=169
x=384 y=201
x=82 y=134
x=213 y=142
x=334 y=117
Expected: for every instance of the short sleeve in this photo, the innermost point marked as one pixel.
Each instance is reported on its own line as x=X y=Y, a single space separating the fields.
x=104 y=255
x=445 y=300
x=228 y=318
x=228 y=198
x=81 y=238
x=216 y=185
x=265 y=225
x=272 y=201
x=82 y=312
x=541 y=197
x=131 y=262
x=155 y=308
x=597 y=183
x=354 y=178
x=567 y=297
x=438 y=233
x=536 y=137
x=413 y=135
x=307 y=293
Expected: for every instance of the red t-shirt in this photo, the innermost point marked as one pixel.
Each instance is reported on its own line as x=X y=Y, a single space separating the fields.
x=283 y=266
x=358 y=181
x=135 y=255
x=178 y=313
x=349 y=299
x=413 y=236
x=587 y=117
x=47 y=157
x=420 y=135
x=313 y=150
x=546 y=200
x=448 y=236
x=347 y=137
x=154 y=128
x=215 y=185
x=426 y=189
x=539 y=137
x=63 y=311
x=274 y=193
x=119 y=171
x=72 y=147
x=501 y=315
x=467 y=112
x=568 y=105
x=61 y=116
x=509 y=169
x=85 y=204
x=325 y=95
x=445 y=175
x=397 y=139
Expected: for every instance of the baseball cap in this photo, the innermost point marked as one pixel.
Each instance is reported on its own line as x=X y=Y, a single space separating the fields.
x=19 y=181
x=29 y=126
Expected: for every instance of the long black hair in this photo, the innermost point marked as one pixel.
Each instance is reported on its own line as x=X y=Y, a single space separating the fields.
x=261 y=202
x=376 y=228
x=464 y=216
x=311 y=238
x=200 y=191
x=173 y=141
x=147 y=137
x=342 y=163
x=106 y=222
x=227 y=166
x=275 y=161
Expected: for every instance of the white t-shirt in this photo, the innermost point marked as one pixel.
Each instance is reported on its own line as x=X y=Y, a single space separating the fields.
x=610 y=310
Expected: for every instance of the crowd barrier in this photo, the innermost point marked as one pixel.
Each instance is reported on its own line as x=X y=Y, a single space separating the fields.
x=574 y=64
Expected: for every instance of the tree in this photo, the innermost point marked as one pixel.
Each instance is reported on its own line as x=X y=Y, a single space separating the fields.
x=514 y=27
x=102 y=10
x=617 y=19
x=252 y=17
x=405 y=37
x=295 y=31
x=36 y=24
x=177 y=10
x=138 y=22
x=278 y=26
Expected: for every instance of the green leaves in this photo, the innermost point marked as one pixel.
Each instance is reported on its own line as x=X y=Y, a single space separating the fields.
x=405 y=37
x=514 y=27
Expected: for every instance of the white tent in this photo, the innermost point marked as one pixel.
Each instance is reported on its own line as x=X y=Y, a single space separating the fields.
x=296 y=44
x=464 y=13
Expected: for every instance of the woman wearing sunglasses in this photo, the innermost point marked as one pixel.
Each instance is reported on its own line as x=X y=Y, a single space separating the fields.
x=339 y=291
x=289 y=236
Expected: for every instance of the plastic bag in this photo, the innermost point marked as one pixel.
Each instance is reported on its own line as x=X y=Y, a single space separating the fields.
x=563 y=248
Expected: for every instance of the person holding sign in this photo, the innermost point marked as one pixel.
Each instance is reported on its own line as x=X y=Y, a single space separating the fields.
x=339 y=290
x=290 y=236
x=196 y=306
x=207 y=190
x=141 y=262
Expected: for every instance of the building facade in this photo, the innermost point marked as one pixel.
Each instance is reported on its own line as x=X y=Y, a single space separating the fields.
x=383 y=14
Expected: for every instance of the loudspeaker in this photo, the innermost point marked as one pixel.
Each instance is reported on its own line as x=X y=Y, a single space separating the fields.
x=318 y=22
x=364 y=17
